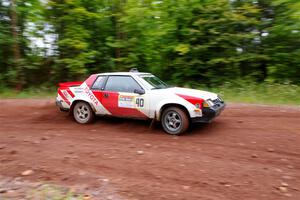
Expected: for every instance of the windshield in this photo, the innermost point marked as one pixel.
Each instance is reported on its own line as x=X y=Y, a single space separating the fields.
x=154 y=81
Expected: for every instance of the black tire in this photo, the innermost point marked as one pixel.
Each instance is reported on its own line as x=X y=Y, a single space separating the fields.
x=83 y=113
x=174 y=121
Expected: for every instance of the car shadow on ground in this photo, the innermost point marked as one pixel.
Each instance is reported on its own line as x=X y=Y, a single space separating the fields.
x=138 y=125
x=203 y=129
x=119 y=121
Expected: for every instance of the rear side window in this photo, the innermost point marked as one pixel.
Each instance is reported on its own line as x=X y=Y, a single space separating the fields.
x=121 y=84
x=99 y=83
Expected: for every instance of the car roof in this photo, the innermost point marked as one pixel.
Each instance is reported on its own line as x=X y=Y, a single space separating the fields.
x=124 y=73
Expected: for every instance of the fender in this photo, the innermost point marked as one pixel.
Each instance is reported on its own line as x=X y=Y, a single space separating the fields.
x=178 y=101
x=84 y=93
x=78 y=100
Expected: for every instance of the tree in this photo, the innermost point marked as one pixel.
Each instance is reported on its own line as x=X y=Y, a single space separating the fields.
x=5 y=41
x=211 y=40
x=282 y=39
x=186 y=42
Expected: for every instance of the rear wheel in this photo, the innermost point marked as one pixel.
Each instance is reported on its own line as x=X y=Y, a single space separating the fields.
x=83 y=113
x=174 y=121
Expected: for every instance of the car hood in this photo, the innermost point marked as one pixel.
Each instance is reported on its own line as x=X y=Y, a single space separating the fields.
x=193 y=93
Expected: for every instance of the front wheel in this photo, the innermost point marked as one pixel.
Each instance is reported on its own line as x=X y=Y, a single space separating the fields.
x=174 y=121
x=83 y=113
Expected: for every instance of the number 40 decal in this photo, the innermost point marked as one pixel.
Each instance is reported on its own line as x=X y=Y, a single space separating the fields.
x=139 y=102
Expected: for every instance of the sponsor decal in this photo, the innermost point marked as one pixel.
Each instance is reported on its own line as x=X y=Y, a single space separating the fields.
x=91 y=95
x=78 y=90
x=125 y=101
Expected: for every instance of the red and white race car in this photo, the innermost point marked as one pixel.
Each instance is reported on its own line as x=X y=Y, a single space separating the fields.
x=138 y=95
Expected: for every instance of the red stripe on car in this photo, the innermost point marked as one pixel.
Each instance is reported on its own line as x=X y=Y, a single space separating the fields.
x=63 y=96
x=192 y=100
x=71 y=93
x=110 y=101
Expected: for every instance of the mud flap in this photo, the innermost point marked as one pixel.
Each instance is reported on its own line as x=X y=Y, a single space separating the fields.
x=153 y=122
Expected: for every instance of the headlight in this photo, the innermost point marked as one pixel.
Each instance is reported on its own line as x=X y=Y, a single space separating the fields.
x=205 y=104
x=208 y=103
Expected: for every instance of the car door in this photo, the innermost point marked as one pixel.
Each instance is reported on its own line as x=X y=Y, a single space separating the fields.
x=97 y=89
x=120 y=97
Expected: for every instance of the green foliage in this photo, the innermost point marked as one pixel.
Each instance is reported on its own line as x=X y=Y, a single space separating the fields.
x=69 y=18
x=283 y=42
x=31 y=92
x=213 y=34
x=267 y=93
x=53 y=192
x=186 y=42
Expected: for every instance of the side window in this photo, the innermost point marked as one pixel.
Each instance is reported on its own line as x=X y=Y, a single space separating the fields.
x=121 y=84
x=99 y=83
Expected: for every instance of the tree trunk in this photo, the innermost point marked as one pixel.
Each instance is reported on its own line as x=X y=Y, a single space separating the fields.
x=14 y=29
x=116 y=25
x=117 y=9
x=15 y=46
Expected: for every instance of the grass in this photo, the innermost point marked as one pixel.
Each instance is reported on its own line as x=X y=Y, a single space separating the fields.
x=54 y=193
x=284 y=94
x=28 y=93
x=238 y=92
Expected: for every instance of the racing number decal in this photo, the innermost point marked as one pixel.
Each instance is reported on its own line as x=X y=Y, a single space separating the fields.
x=139 y=102
x=127 y=101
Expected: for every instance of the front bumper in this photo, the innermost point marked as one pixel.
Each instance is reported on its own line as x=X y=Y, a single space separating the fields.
x=208 y=114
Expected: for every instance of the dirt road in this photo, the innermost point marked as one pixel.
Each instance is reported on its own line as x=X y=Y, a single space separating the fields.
x=249 y=152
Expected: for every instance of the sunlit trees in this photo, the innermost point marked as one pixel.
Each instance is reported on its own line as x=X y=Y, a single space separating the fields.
x=186 y=42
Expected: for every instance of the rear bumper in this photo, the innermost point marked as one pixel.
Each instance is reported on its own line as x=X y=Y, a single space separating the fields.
x=58 y=103
x=208 y=114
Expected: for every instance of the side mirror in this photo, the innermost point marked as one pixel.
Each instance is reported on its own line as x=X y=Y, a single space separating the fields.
x=139 y=91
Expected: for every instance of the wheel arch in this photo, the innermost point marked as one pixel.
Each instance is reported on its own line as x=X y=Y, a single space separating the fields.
x=168 y=105
x=80 y=100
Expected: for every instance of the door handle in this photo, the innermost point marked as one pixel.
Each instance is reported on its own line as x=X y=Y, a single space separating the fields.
x=106 y=95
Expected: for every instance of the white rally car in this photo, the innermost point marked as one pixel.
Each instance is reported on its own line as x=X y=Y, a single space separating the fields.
x=138 y=95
